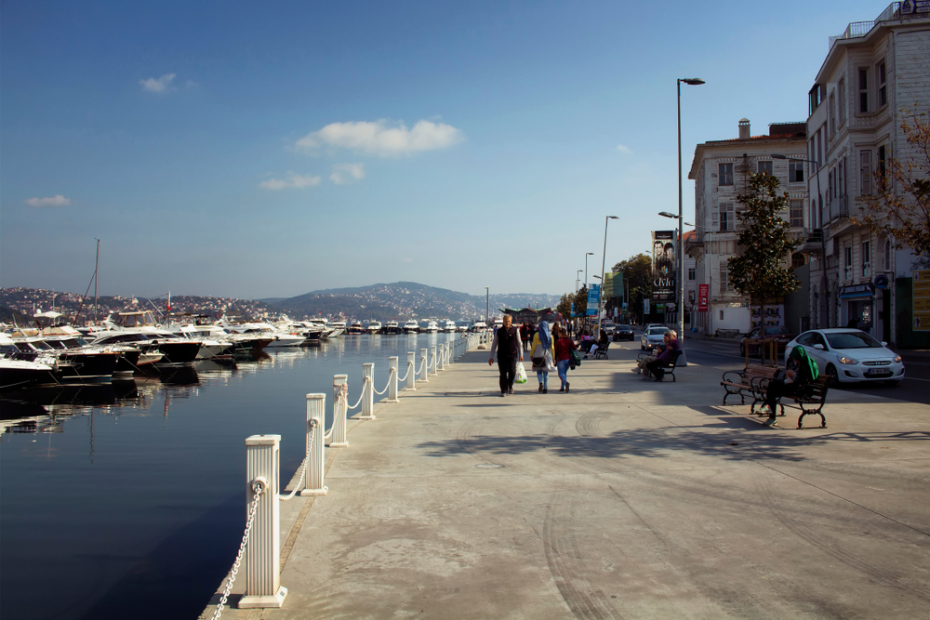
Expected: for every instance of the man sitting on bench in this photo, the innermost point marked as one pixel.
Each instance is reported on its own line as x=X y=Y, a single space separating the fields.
x=791 y=384
x=666 y=357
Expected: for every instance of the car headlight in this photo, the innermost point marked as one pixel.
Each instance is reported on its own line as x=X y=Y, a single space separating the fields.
x=897 y=360
x=847 y=360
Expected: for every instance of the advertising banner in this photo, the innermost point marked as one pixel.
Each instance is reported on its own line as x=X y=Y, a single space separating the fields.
x=613 y=285
x=594 y=293
x=664 y=263
x=703 y=295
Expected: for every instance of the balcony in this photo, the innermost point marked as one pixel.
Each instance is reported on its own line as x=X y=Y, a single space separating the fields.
x=812 y=241
x=837 y=208
x=857 y=30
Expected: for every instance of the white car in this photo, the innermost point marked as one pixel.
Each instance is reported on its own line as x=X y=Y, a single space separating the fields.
x=850 y=355
x=653 y=337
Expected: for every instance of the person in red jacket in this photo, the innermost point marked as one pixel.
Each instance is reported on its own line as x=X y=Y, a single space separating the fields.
x=563 y=354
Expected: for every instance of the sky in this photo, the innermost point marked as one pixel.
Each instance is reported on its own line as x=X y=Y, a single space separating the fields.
x=257 y=150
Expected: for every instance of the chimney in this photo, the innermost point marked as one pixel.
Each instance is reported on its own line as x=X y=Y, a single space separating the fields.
x=744 y=129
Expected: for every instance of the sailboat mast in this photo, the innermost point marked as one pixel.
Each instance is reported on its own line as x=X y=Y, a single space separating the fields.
x=96 y=269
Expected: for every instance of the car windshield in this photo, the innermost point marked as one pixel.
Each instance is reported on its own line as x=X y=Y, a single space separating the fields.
x=624 y=328
x=852 y=340
x=657 y=331
x=775 y=331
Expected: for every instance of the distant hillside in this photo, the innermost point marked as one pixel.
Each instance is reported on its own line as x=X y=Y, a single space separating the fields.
x=404 y=300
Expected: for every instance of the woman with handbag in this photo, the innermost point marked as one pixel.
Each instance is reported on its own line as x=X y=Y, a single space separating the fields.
x=542 y=355
x=564 y=349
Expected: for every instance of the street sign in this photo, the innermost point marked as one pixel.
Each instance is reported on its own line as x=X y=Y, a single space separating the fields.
x=703 y=294
x=594 y=293
x=921 y=297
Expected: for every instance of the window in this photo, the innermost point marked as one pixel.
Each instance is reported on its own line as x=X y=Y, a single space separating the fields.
x=830 y=192
x=863 y=91
x=819 y=157
x=841 y=181
x=814 y=220
x=692 y=273
x=841 y=92
x=795 y=171
x=887 y=258
x=725 y=174
x=832 y=113
x=764 y=166
x=796 y=214
x=797 y=261
x=847 y=261
x=724 y=278
x=865 y=173
x=866 y=259
x=881 y=161
x=882 y=90
x=727 y=217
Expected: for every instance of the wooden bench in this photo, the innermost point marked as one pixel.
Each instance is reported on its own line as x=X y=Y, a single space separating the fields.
x=747 y=381
x=601 y=352
x=668 y=367
x=809 y=400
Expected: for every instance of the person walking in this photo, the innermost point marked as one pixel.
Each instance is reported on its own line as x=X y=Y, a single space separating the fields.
x=542 y=355
x=509 y=350
x=563 y=355
x=525 y=335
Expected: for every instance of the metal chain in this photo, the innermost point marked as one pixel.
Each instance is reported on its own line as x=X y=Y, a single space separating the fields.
x=303 y=469
x=258 y=487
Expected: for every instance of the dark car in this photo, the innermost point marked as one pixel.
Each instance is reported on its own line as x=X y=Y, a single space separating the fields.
x=623 y=332
x=782 y=338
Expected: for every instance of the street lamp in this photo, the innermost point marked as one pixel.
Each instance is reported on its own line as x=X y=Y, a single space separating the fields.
x=584 y=318
x=823 y=241
x=487 y=306
x=577 y=277
x=600 y=296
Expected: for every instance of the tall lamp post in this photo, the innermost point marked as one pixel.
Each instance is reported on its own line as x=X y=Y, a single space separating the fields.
x=823 y=240
x=577 y=278
x=487 y=307
x=584 y=317
x=681 y=261
x=600 y=296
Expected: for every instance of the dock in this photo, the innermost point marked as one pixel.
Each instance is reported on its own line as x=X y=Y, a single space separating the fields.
x=625 y=498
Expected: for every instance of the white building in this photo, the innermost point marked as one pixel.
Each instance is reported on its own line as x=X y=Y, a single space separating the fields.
x=720 y=171
x=872 y=72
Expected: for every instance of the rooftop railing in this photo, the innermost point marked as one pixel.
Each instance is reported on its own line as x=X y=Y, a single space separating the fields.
x=860 y=29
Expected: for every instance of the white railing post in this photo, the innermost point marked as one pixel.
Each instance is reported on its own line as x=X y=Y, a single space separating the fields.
x=340 y=405
x=432 y=354
x=392 y=380
x=368 y=392
x=450 y=348
x=440 y=358
x=263 y=553
x=316 y=419
x=411 y=370
x=424 y=362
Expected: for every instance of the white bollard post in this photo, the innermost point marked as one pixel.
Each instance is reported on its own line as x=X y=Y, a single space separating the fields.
x=340 y=406
x=392 y=380
x=432 y=354
x=316 y=411
x=368 y=392
x=440 y=358
x=450 y=348
x=411 y=370
x=263 y=553
x=424 y=362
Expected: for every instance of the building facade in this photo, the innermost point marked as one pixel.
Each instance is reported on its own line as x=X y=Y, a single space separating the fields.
x=874 y=73
x=720 y=171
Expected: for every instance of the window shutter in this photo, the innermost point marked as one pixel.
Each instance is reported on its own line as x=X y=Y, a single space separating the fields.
x=714 y=219
x=731 y=216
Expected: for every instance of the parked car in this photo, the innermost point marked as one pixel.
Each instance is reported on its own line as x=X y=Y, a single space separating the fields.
x=608 y=327
x=850 y=355
x=782 y=338
x=653 y=337
x=623 y=332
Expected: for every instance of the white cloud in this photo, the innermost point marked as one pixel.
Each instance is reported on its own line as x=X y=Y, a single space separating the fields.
x=347 y=173
x=624 y=149
x=293 y=181
x=158 y=85
x=379 y=139
x=53 y=201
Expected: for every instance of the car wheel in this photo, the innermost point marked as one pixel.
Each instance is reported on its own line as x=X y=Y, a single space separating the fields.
x=832 y=377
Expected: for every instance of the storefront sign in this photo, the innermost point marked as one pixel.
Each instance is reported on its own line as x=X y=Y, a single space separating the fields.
x=857 y=290
x=921 y=297
x=703 y=294
x=880 y=281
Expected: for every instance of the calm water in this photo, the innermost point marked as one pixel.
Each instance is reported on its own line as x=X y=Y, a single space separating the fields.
x=127 y=501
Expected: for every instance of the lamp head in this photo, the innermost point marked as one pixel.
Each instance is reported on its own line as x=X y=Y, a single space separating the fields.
x=692 y=81
x=667 y=214
x=612 y=217
x=590 y=254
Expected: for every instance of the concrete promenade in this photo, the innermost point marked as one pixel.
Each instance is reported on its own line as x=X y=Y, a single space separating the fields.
x=626 y=498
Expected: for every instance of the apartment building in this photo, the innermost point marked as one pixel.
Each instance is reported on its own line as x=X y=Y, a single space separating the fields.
x=873 y=73
x=720 y=171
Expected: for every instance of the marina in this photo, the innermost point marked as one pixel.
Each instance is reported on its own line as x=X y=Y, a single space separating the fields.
x=131 y=490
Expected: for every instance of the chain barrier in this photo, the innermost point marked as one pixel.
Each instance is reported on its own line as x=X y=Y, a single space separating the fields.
x=303 y=464
x=258 y=487
x=406 y=374
x=390 y=372
x=344 y=393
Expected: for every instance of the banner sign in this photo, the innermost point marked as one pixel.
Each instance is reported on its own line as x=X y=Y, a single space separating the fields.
x=594 y=295
x=645 y=307
x=613 y=285
x=921 y=297
x=703 y=294
x=664 y=263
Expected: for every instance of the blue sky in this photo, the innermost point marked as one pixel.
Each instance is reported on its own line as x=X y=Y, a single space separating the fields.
x=269 y=149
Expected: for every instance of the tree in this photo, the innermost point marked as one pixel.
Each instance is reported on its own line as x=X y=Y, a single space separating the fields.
x=564 y=306
x=637 y=273
x=581 y=301
x=759 y=271
x=900 y=205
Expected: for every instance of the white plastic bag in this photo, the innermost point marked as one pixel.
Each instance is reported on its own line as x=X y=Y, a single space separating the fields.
x=521 y=373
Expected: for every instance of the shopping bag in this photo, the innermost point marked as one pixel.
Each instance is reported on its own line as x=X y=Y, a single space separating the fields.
x=521 y=373
x=575 y=359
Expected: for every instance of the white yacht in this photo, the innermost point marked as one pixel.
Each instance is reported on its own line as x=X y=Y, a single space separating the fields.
x=479 y=326
x=450 y=327
x=432 y=326
x=391 y=327
x=338 y=328
x=411 y=327
x=374 y=327
x=279 y=339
